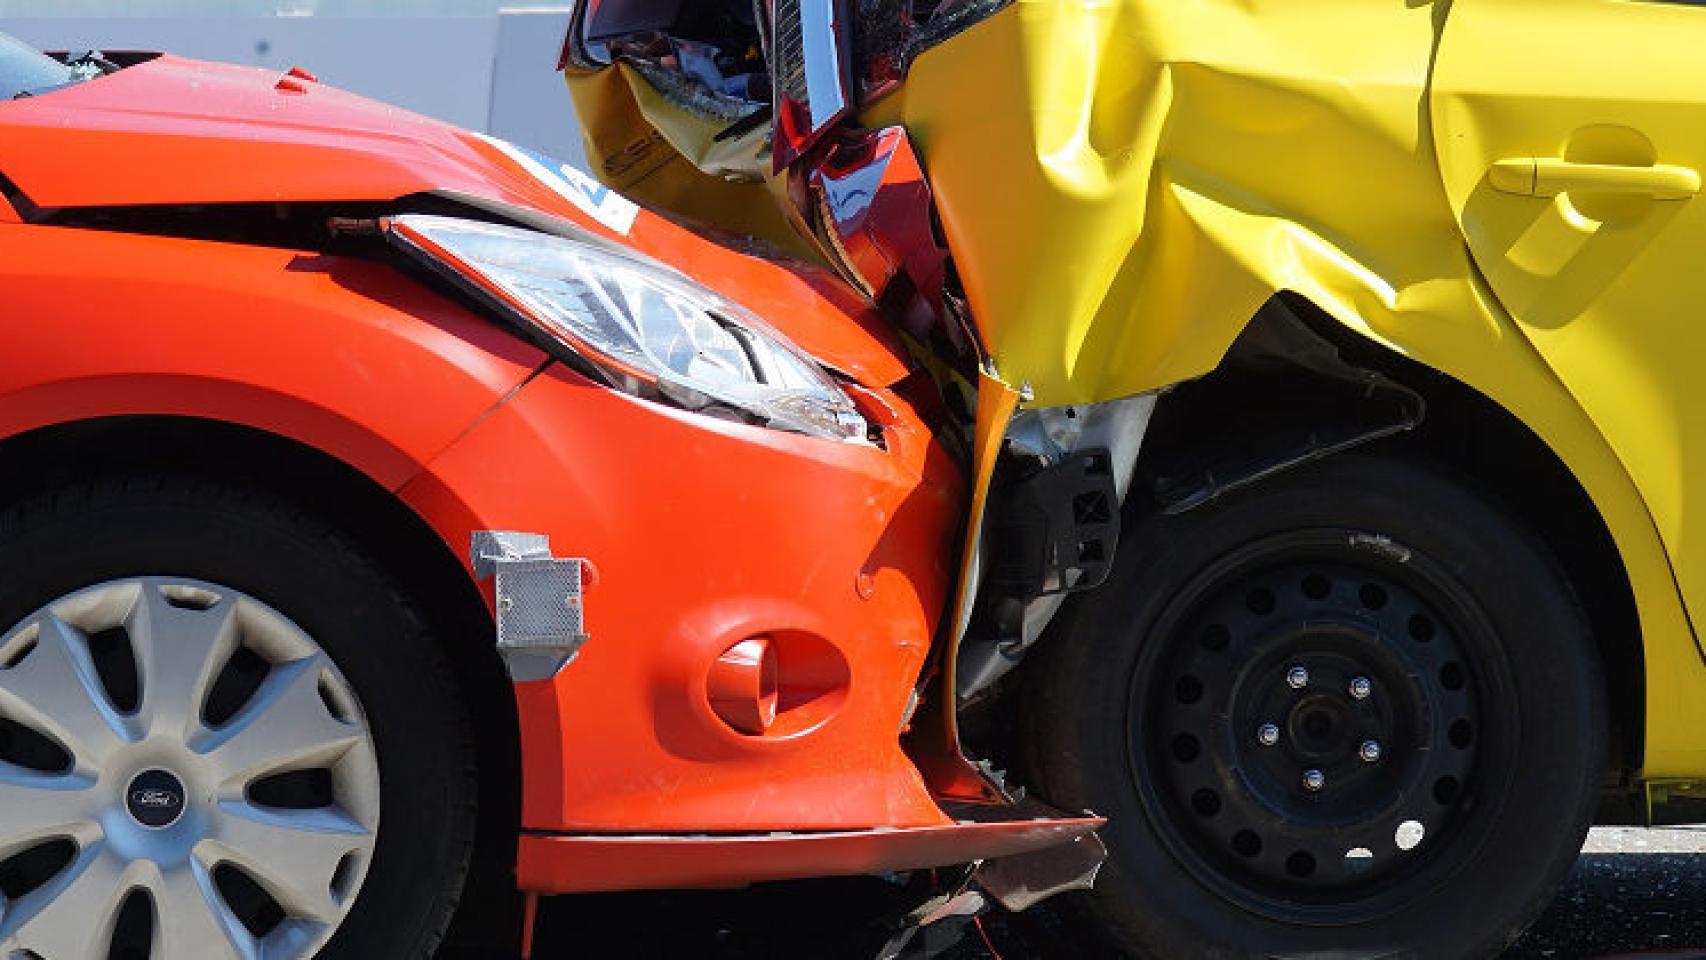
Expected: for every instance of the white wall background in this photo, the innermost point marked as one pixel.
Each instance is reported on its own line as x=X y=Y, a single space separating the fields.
x=489 y=71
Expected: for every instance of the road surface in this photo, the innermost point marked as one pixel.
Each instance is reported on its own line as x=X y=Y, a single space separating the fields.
x=1634 y=893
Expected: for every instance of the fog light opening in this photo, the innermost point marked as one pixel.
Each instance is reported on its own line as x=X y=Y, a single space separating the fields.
x=742 y=686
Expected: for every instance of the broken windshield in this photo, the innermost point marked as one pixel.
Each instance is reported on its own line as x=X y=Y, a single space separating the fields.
x=716 y=45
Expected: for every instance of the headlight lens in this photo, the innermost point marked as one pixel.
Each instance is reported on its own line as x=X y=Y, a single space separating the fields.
x=647 y=329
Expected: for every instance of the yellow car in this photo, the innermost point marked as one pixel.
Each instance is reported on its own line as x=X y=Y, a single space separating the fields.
x=1378 y=318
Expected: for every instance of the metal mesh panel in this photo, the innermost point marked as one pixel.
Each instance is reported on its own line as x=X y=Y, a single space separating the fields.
x=539 y=603
x=540 y=622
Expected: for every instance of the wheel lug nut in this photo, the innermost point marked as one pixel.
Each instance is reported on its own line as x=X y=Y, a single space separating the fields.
x=1267 y=735
x=1314 y=780
x=1361 y=688
x=1370 y=751
x=1298 y=677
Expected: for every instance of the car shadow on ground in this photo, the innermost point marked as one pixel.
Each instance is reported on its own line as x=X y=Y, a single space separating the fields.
x=1633 y=893
x=1623 y=905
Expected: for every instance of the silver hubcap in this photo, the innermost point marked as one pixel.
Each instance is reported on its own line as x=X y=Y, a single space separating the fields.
x=233 y=783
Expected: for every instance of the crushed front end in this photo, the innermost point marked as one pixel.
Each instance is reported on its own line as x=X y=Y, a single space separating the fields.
x=718 y=555
x=778 y=119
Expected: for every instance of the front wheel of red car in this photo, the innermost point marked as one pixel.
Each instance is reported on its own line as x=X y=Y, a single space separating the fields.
x=223 y=734
x=1353 y=711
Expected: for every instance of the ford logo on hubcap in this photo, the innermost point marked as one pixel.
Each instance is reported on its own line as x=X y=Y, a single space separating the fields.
x=155 y=799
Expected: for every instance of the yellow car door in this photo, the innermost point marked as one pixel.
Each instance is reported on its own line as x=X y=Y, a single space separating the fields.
x=1572 y=139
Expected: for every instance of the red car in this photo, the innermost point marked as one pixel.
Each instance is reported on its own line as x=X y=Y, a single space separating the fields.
x=393 y=520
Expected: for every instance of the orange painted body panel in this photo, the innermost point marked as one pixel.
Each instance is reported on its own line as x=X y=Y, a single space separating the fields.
x=703 y=534
x=700 y=532
x=593 y=864
x=195 y=132
x=343 y=355
x=233 y=137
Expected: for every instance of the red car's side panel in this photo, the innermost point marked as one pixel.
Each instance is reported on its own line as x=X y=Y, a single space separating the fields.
x=702 y=534
x=346 y=356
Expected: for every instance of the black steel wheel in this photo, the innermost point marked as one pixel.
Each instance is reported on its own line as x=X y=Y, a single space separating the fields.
x=1310 y=720
x=1354 y=709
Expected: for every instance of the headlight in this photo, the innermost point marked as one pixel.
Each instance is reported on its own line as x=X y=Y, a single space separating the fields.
x=645 y=328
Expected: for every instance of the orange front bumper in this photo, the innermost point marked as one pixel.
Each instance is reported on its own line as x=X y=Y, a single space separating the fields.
x=591 y=864
x=701 y=534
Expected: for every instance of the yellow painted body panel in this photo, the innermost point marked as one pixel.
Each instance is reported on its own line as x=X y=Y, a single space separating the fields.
x=1124 y=182
x=638 y=143
x=1599 y=261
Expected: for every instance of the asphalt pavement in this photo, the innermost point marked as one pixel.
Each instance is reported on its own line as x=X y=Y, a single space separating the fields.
x=1634 y=893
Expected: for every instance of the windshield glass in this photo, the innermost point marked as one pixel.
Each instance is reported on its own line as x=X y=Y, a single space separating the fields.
x=27 y=71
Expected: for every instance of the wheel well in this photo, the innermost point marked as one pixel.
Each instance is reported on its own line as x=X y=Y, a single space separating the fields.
x=1463 y=430
x=371 y=515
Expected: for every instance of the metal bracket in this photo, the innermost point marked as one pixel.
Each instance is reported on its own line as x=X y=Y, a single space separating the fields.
x=1022 y=881
x=540 y=617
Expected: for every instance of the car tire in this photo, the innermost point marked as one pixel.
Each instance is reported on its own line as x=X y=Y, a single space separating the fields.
x=1216 y=698
x=170 y=640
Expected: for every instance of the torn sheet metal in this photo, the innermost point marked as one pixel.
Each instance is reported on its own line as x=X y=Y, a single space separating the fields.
x=539 y=606
x=864 y=195
x=889 y=34
x=1021 y=882
x=1015 y=883
x=811 y=69
x=674 y=104
x=935 y=742
x=934 y=927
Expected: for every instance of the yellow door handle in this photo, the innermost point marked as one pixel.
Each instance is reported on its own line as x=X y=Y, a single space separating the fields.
x=1549 y=177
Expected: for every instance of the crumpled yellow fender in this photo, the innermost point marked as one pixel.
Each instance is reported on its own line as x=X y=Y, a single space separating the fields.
x=1124 y=183
x=641 y=144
